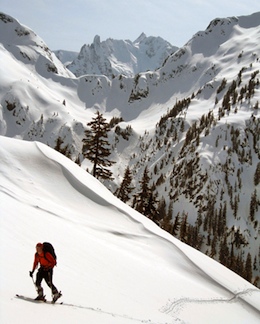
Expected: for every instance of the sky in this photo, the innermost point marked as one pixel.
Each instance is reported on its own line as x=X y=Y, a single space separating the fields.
x=68 y=25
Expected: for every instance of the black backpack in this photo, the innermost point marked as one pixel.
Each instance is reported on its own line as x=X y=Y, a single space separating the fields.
x=47 y=247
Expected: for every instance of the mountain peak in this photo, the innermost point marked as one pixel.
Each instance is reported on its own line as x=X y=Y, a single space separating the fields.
x=97 y=40
x=113 y=57
x=140 y=38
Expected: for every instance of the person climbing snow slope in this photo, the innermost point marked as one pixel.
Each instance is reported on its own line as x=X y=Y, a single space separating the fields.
x=47 y=263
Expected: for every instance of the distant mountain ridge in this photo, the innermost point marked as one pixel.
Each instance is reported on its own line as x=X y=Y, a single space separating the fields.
x=113 y=57
x=66 y=57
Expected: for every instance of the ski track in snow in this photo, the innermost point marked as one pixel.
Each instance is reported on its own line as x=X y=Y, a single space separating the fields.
x=175 y=307
x=110 y=313
x=87 y=308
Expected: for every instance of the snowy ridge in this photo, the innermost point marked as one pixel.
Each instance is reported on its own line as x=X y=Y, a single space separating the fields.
x=119 y=245
x=29 y=48
x=114 y=57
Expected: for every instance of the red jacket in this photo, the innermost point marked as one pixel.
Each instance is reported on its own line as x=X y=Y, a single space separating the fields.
x=46 y=260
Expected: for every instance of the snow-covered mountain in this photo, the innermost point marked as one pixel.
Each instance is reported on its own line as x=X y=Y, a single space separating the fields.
x=66 y=57
x=114 y=57
x=194 y=123
x=114 y=266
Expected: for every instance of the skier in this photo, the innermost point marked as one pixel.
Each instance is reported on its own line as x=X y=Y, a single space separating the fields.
x=47 y=262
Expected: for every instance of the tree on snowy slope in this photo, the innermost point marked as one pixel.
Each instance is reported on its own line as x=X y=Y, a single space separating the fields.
x=125 y=188
x=145 y=201
x=63 y=149
x=96 y=147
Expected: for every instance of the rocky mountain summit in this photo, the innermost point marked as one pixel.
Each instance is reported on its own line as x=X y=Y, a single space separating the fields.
x=114 y=57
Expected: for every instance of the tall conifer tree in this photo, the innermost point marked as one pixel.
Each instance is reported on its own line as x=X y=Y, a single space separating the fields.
x=145 y=200
x=96 y=147
x=125 y=188
x=141 y=198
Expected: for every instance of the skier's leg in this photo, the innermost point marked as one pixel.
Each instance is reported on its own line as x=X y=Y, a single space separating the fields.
x=38 y=282
x=48 y=278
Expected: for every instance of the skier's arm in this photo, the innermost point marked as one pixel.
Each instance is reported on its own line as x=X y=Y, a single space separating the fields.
x=35 y=263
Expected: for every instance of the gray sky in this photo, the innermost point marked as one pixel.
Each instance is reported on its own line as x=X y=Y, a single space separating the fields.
x=68 y=25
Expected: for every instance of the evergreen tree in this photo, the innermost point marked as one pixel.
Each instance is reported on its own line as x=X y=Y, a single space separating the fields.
x=176 y=225
x=166 y=222
x=194 y=239
x=151 y=210
x=257 y=175
x=221 y=223
x=162 y=209
x=141 y=197
x=232 y=259
x=248 y=275
x=224 y=255
x=184 y=228
x=213 y=246
x=253 y=206
x=170 y=209
x=96 y=147
x=239 y=265
x=145 y=201
x=63 y=149
x=125 y=188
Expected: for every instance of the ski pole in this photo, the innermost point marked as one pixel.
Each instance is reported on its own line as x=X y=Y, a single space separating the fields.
x=34 y=283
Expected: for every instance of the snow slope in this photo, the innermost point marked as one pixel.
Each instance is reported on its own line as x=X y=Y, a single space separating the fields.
x=114 y=265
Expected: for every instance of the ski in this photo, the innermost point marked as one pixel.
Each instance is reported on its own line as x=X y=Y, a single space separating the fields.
x=32 y=300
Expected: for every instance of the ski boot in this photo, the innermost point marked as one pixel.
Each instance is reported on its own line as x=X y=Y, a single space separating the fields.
x=56 y=297
x=40 y=298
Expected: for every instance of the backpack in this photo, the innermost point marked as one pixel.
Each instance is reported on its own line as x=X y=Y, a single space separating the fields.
x=47 y=247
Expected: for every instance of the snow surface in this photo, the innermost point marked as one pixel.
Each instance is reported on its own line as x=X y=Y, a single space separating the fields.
x=114 y=265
